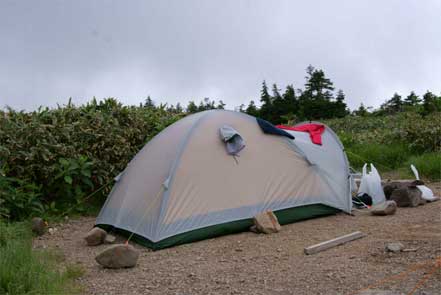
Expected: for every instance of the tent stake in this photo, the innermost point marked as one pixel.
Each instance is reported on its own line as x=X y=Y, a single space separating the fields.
x=334 y=242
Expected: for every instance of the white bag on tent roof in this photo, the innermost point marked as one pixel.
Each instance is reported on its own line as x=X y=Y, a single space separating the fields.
x=371 y=184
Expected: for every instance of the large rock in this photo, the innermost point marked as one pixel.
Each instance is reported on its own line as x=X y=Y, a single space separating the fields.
x=38 y=226
x=266 y=223
x=389 y=187
x=407 y=197
x=385 y=208
x=95 y=236
x=118 y=256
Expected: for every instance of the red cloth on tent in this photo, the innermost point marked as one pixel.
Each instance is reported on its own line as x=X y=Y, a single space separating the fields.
x=315 y=131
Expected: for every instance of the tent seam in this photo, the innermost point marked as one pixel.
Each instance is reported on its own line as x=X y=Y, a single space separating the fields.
x=166 y=193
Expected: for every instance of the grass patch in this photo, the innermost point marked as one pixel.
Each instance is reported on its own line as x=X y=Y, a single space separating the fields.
x=428 y=166
x=384 y=157
x=27 y=271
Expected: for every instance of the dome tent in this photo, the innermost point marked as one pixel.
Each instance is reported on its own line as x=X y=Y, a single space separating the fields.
x=184 y=186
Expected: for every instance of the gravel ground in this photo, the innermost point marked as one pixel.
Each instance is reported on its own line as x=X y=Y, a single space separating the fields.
x=249 y=263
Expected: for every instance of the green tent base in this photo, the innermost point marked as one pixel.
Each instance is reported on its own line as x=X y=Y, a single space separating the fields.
x=284 y=216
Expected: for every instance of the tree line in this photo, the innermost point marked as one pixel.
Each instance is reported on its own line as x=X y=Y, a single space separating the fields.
x=317 y=100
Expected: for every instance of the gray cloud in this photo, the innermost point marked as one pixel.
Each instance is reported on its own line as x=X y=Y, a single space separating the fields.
x=182 y=50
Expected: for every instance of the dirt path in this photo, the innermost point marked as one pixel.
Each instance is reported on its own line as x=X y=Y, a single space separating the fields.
x=249 y=263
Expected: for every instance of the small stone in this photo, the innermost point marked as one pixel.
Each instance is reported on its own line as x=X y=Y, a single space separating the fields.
x=385 y=208
x=109 y=239
x=52 y=230
x=118 y=256
x=266 y=223
x=38 y=226
x=95 y=236
x=394 y=247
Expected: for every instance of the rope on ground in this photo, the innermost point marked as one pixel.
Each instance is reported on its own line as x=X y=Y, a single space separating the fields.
x=404 y=274
x=87 y=197
x=427 y=276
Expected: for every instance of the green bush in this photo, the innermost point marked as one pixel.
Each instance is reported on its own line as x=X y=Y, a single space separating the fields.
x=50 y=159
x=418 y=133
x=384 y=157
x=19 y=199
x=27 y=271
x=69 y=152
x=428 y=165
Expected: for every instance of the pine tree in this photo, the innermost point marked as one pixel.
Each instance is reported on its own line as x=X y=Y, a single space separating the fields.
x=412 y=99
x=192 y=107
x=252 y=109
x=317 y=85
x=340 y=108
x=266 y=111
x=393 y=105
x=148 y=103
x=315 y=101
x=431 y=103
x=361 y=111
x=220 y=105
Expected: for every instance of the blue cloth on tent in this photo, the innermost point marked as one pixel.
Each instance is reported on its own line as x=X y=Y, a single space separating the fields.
x=269 y=128
x=234 y=142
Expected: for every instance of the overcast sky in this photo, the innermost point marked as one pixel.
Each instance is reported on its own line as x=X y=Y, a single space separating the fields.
x=186 y=50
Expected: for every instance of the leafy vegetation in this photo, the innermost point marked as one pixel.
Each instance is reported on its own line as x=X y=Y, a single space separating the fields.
x=27 y=271
x=393 y=141
x=51 y=160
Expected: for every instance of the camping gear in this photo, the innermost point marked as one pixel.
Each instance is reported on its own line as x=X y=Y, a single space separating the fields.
x=362 y=200
x=315 y=130
x=182 y=186
x=426 y=193
x=371 y=184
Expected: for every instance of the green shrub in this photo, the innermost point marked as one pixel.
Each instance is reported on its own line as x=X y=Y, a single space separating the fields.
x=384 y=157
x=19 y=199
x=418 y=133
x=428 y=166
x=69 y=152
x=27 y=271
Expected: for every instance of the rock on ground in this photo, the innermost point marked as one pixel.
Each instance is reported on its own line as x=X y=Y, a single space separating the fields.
x=118 y=256
x=38 y=226
x=385 y=208
x=394 y=247
x=266 y=223
x=109 y=239
x=95 y=236
x=407 y=197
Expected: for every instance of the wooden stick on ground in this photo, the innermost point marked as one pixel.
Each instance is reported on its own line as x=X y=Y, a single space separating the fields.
x=332 y=243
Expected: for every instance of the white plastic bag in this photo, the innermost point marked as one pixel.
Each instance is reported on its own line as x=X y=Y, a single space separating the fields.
x=371 y=184
x=426 y=193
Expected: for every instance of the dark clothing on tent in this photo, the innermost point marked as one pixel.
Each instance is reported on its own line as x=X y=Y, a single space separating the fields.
x=269 y=128
x=315 y=131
